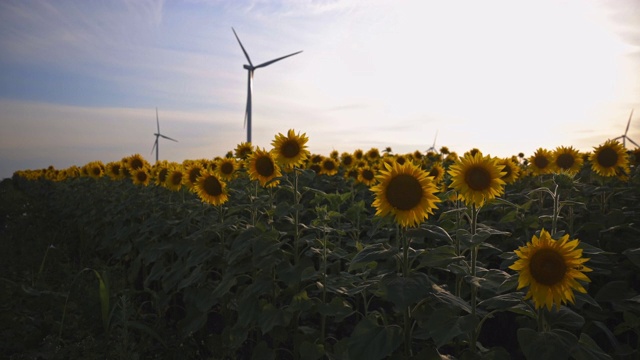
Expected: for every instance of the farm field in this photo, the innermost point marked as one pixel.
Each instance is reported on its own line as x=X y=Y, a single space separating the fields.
x=283 y=254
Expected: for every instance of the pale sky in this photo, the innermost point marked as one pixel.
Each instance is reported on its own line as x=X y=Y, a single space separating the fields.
x=80 y=80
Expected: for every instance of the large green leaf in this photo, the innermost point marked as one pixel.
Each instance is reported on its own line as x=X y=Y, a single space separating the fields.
x=370 y=254
x=370 y=341
x=405 y=291
x=547 y=345
x=588 y=349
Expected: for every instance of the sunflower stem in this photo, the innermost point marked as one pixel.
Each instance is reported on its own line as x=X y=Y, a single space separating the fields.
x=474 y=259
x=405 y=273
x=296 y=201
x=556 y=211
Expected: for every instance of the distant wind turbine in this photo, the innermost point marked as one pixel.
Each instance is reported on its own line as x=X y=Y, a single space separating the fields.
x=156 y=145
x=433 y=147
x=250 y=69
x=624 y=136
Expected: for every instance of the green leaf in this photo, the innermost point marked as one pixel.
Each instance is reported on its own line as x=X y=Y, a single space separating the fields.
x=587 y=349
x=633 y=255
x=262 y=351
x=439 y=257
x=548 y=345
x=370 y=341
x=445 y=324
x=371 y=253
x=614 y=291
x=503 y=301
x=311 y=351
x=565 y=317
x=104 y=300
x=271 y=317
x=405 y=291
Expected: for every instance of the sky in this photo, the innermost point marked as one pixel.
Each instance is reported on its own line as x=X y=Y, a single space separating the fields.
x=81 y=80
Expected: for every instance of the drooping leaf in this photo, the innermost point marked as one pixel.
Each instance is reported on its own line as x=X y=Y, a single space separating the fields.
x=370 y=341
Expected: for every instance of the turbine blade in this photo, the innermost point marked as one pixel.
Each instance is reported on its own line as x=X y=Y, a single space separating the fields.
x=274 y=60
x=157 y=121
x=243 y=50
x=155 y=144
x=619 y=137
x=434 y=140
x=168 y=138
x=628 y=123
x=633 y=142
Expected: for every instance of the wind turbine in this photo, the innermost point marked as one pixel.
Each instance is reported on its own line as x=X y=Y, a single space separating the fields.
x=624 y=136
x=156 y=145
x=433 y=147
x=250 y=69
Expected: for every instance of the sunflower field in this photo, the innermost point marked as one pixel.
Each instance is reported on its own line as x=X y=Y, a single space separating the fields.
x=283 y=254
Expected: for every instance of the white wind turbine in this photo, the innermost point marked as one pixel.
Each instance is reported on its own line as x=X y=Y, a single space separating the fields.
x=624 y=136
x=250 y=69
x=156 y=144
x=433 y=147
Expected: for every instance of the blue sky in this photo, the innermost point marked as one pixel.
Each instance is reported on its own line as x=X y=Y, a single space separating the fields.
x=80 y=80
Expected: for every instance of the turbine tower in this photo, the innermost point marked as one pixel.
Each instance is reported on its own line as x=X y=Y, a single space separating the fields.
x=433 y=147
x=624 y=136
x=250 y=69
x=156 y=145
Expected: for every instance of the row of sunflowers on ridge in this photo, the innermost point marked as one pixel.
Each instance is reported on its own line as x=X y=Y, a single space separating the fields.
x=404 y=186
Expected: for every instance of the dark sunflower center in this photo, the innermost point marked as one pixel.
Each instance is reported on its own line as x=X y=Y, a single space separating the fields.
x=367 y=175
x=136 y=164
x=96 y=171
x=264 y=166
x=565 y=161
x=115 y=169
x=141 y=176
x=193 y=175
x=162 y=175
x=547 y=267
x=226 y=168
x=176 y=178
x=404 y=192
x=212 y=186
x=607 y=157
x=400 y=160
x=434 y=172
x=316 y=168
x=290 y=149
x=353 y=174
x=478 y=178
x=541 y=162
x=507 y=171
x=329 y=165
x=347 y=161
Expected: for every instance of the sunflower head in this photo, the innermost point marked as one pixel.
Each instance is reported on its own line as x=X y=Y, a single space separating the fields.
x=114 y=170
x=329 y=166
x=406 y=192
x=243 y=150
x=366 y=175
x=135 y=162
x=567 y=160
x=226 y=168
x=609 y=159
x=346 y=160
x=211 y=189
x=541 y=162
x=550 y=268
x=192 y=173
x=290 y=150
x=141 y=176
x=175 y=178
x=511 y=170
x=263 y=168
x=477 y=178
x=437 y=173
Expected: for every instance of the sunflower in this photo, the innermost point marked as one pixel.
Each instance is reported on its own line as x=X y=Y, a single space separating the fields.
x=358 y=154
x=511 y=170
x=351 y=174
x=175 y=178
x=329 y=166
x=243 y=150
x=366 y=175
x=263 y=168
x=407 y=192
x=373 y=155
x=114 y=170
x=135 y=162
x=346 y=160
x=95 y=169
x=226 y=168
x=541 y=162
x=211 y=189
x=290 y=150
x=193 y=171
x=437 y=173
x=551 y=269
x=477 y=178
x=609 y=158
x=141 y=176
x=161 y=171
x=567 y=160
x=334 y=154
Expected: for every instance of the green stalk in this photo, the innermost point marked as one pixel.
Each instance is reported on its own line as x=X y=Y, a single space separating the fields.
x=296 y=201
x=407 y=311
x=474 y=260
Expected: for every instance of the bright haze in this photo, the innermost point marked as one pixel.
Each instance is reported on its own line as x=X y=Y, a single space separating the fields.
x=80 y=80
